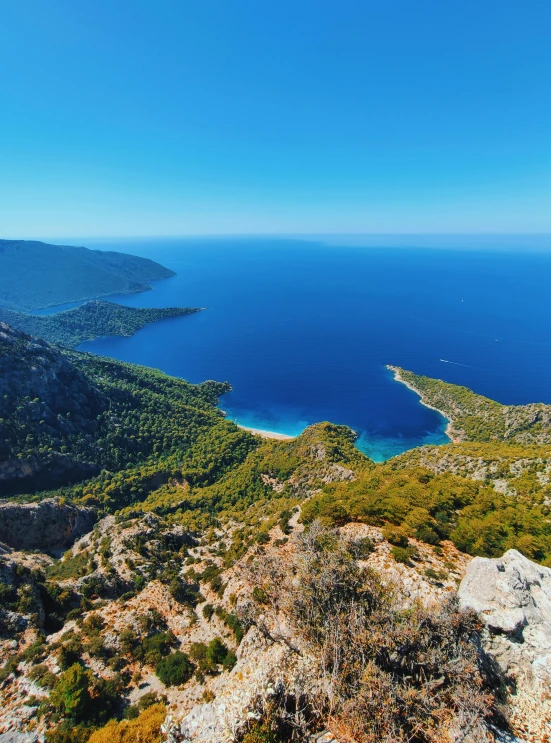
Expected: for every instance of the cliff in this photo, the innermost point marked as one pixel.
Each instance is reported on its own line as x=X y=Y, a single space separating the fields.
x=48 y=525
x=513 y=597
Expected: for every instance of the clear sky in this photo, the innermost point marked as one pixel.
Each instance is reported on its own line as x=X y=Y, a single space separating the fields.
x=173 y=117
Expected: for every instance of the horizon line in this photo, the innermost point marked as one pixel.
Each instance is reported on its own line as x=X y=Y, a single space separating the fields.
x=191 y=235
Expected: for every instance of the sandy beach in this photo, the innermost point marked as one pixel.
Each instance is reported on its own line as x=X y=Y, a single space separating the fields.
x=267 y=434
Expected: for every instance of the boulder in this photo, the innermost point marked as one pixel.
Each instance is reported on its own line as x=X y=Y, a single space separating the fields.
x=512 y=595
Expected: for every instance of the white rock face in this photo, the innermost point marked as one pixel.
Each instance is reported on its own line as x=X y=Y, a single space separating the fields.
x=512 y=595
x=260 y=669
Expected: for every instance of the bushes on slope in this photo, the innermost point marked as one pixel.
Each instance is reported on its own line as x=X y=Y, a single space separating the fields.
x=417 y=503
x=146 y=728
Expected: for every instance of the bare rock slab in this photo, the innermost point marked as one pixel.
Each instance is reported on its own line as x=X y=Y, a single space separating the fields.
x=512 y=595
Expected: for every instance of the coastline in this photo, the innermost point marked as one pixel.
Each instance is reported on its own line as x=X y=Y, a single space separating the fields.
x=266 y=434
x=449 y=426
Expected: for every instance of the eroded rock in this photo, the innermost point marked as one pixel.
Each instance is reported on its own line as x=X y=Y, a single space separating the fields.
x=47 y=525
x=512 y=594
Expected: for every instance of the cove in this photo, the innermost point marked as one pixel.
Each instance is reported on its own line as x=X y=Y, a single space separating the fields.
x=303 y=330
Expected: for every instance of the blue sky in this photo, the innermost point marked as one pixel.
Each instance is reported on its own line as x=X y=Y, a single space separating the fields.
x=171 y=117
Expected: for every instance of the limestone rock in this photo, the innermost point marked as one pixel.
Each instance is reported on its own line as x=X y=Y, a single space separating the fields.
x=47 y=525
x=512 y=594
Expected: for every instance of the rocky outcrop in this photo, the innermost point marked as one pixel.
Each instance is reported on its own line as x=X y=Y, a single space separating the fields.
x=261 y=670
x=47 y=525
x=513 y=596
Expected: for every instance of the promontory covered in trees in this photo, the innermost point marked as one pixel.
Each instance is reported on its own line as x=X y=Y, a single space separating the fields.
x=91 y=320
x=37 y=275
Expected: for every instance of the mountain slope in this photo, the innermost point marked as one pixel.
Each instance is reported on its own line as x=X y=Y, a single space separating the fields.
x=49 y=413
x=91 y=320
x=210 y=580
x=65 y=415
x=36 y=274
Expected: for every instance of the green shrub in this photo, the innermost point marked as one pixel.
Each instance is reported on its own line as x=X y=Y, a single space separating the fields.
x=362 y=548
x=69 y=567
x=71 y=694
x=185 y=592
x=216 y=651
x=42 y=676
x=145 y=702
x=208 y=611
x=229 y=661
x=36 y=651
x=175 y=669
x=436 y=574
x=259 y=595
x=327 y=509
x=403 y=554
x=209 y=657
x=69 y=653
x=395 y=535
x=284 y=517
x=262 y=732
x=66 y=733
x=153 y=648
x=231 y=621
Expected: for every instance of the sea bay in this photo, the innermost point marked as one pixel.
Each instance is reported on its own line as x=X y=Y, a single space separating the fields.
x=303 y=329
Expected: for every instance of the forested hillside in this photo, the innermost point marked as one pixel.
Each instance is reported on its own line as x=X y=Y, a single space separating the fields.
x=91 y=320
x=36 y=274
x=66 y=415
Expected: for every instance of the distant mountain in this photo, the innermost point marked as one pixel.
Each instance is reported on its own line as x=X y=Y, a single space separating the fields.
x=36 y=274
x=91 y=320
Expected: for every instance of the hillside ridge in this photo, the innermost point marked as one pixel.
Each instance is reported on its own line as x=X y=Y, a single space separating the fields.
x=94 y=319
x=35 y=274
x=246 y=587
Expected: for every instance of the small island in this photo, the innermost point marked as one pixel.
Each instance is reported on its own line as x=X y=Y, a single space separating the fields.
x=474 y=417
x=91 y=320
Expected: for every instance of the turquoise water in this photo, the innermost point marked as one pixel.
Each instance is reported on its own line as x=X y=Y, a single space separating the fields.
x=303 y=330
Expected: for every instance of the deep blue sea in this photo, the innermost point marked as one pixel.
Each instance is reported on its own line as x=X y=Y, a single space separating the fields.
x=303 y=329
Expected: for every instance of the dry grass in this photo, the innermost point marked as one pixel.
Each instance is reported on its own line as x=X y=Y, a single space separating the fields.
x=385 y=670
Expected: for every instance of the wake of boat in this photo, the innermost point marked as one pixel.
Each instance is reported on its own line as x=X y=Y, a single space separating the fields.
x=455 y=363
